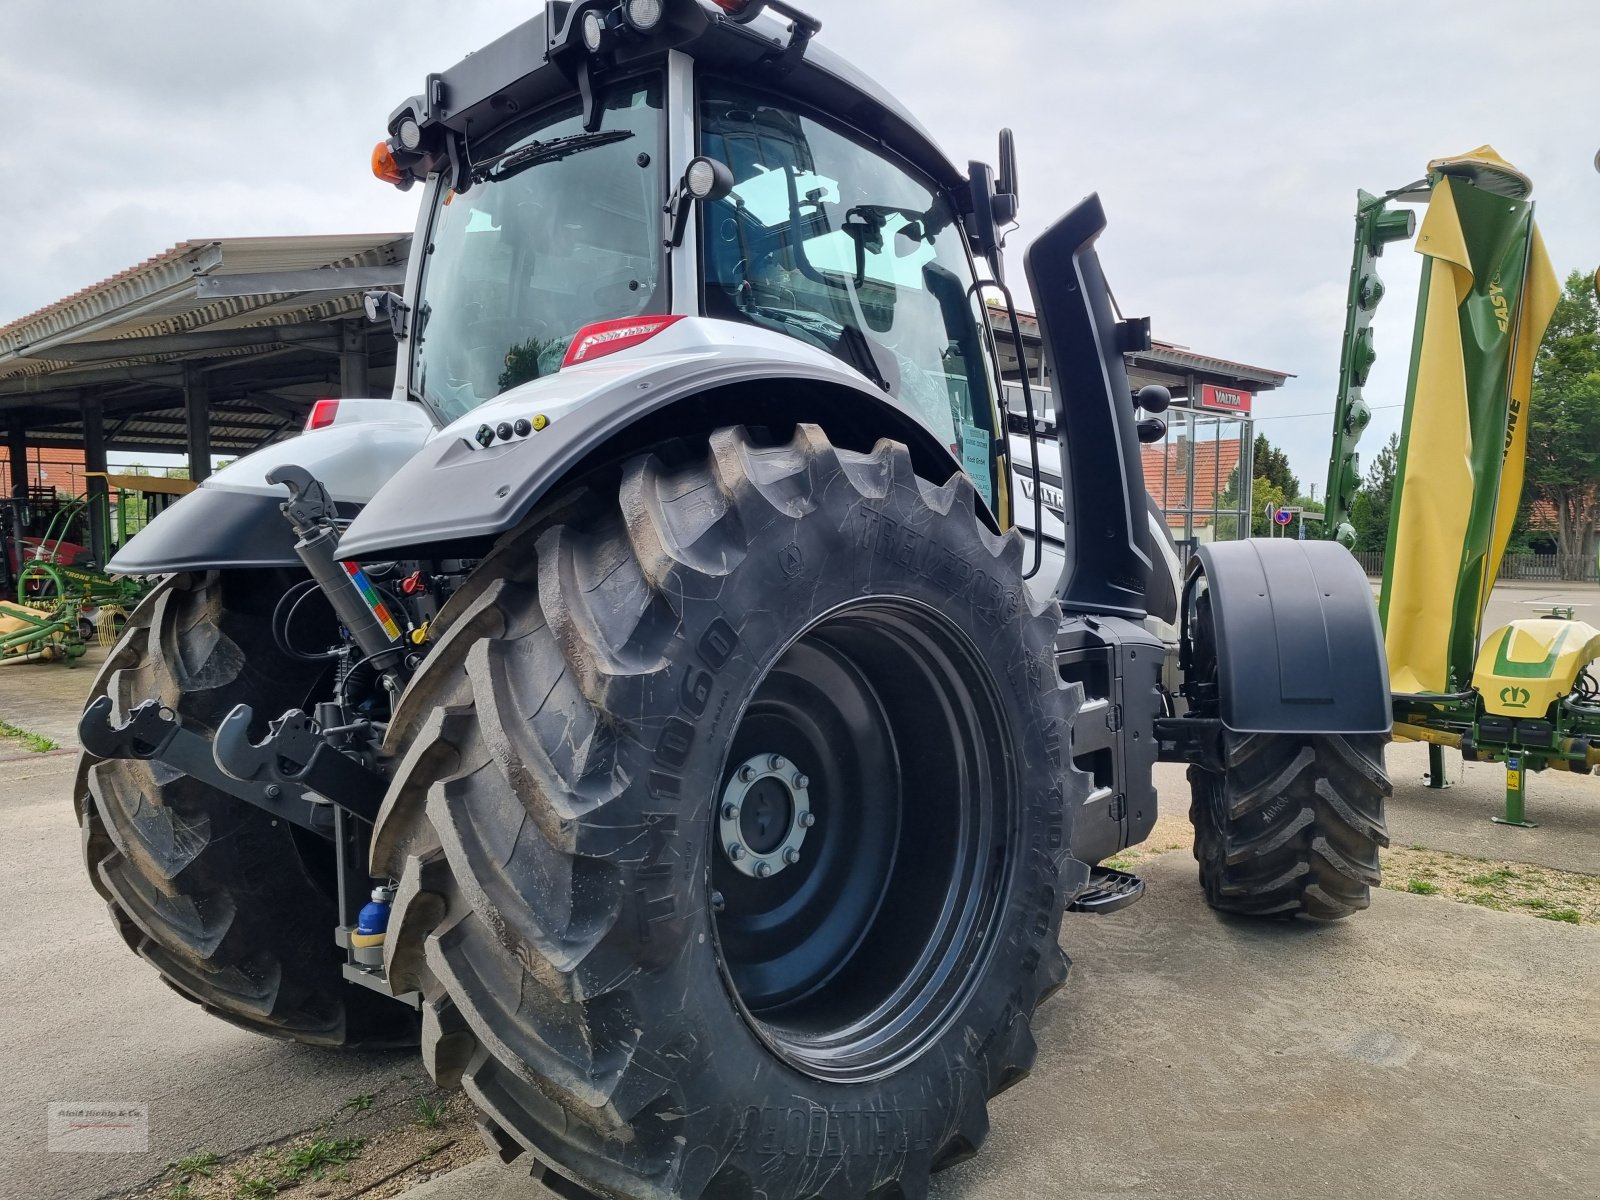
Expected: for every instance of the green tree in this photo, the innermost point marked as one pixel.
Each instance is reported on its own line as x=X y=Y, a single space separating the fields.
x=1369 y=511
x=1564 y=418
x=1263 y=492
x=1272 y=464
x=1274 y=484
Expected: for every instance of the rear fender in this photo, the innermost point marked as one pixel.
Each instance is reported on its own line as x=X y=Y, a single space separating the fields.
x=470 y=484
x=1299 y=648
x=232 y=519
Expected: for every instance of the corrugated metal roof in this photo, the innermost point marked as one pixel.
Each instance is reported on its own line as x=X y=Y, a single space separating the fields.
x=1163 y=354
x=160 y=295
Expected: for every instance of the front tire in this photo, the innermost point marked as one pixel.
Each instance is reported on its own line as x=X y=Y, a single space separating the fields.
x=765 y=633
x=1293 y=827
x=1292 y=823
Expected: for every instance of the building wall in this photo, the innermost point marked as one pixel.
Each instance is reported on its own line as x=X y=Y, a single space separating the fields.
x=60 y=469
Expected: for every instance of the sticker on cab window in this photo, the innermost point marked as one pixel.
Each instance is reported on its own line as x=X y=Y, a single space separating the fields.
x=975 y=456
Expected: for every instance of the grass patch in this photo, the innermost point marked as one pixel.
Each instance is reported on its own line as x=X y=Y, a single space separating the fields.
x=1501 y=886
x=1569 y=915
x=1492 y=878
x=253 y=1187
x=401 y=1141
x=313 y=1159
x=36 y=742
x=200 y=1163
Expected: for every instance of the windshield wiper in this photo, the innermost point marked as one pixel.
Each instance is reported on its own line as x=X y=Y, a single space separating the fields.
x=503 y=166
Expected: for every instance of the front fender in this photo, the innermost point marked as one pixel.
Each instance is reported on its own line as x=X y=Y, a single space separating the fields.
x=469 y=483
x=232 y=519
x=1299 y=646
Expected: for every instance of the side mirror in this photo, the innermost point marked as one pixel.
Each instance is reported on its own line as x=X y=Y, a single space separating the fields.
x=1153 y=398
x=384 y=305
x=703 y=179
x=1006 y=198
x=982 y=229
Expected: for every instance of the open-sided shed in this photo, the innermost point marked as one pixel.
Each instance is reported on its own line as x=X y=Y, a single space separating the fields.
x=213 y=347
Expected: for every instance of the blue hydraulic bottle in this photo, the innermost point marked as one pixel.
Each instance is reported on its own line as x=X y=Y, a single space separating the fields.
x=371 y=927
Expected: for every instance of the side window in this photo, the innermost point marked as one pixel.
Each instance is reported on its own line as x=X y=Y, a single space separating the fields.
x=828 y=239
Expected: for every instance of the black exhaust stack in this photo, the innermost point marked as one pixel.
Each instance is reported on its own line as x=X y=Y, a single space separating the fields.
x=1108 y=559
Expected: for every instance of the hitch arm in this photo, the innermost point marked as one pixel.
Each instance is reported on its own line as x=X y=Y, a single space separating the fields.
x=296 y=754
x=155 y=734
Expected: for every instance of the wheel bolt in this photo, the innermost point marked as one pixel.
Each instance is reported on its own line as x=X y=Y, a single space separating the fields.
x=807 y=819
x=730 y=811
x=763 y=870
x=800 y=781
x=791 y=856
x=746 y=774
x=735 y=851
x=775 y=763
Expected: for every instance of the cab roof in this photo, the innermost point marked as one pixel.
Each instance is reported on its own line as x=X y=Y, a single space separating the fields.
x=540 y=61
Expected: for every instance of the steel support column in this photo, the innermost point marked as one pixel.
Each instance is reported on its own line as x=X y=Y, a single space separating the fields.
x=94 y=466
x=17 y=453
x=197 y=421
x=352 y=360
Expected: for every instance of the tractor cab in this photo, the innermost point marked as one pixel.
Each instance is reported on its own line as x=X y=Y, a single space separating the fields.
x=672 y=162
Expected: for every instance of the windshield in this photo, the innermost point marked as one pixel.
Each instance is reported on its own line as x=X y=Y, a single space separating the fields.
x=828 y=240
x=560 y=228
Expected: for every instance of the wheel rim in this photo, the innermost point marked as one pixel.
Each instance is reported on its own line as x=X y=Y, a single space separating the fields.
x=874 y=750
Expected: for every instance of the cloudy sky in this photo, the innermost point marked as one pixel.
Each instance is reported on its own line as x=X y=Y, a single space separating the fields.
x=1227 y=138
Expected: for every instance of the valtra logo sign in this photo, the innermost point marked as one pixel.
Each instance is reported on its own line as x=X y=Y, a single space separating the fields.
x=1224 y=399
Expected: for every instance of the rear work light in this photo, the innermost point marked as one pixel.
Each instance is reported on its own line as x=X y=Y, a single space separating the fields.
x=323 y=414
x=607 y=337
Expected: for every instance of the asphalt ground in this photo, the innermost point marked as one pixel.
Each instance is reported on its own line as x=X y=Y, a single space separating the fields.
x=1423 y=1048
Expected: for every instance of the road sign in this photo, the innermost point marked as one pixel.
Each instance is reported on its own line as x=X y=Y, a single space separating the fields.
x=1283 y=516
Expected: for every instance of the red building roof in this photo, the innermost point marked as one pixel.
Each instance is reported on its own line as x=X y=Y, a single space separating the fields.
x=1167 y=469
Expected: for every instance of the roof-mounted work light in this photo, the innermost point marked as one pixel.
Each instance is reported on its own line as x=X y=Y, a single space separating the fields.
x=408 y=133
x=594 y=31
x=641 y=16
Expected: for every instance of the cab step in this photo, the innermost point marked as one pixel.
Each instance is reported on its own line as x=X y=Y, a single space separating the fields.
x=1107 y=891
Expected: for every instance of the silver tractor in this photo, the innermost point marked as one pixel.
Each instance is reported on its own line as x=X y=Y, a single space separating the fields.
x=645 y=707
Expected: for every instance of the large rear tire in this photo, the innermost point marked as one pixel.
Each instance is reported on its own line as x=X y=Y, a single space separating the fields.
x=236 y=910
x=780 y=649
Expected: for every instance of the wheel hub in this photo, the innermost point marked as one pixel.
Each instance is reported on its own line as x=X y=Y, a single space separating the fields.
x=765 y=812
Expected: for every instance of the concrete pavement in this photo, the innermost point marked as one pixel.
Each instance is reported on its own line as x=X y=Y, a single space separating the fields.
x=1421 y=1049
x=86 y=1020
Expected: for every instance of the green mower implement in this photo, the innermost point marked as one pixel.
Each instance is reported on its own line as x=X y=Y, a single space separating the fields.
x=1523 y=695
